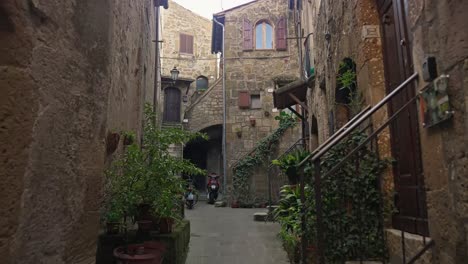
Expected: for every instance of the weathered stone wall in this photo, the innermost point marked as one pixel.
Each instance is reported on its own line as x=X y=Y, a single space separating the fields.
x=207 y=109
x=438 y=28
x=435 y=28
x=253 y=71
x=176 y=20
x=69 y=72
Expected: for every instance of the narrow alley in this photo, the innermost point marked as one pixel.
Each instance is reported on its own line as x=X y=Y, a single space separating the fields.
x=226 y=235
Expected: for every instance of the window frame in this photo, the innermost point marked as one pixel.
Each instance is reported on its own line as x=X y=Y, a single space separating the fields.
x=263 y=23
x=252 y=95
x=196 y=83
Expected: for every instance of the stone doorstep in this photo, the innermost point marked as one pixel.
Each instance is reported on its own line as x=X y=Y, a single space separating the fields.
x=260 y=216
x=413 y=244
x=220 y=204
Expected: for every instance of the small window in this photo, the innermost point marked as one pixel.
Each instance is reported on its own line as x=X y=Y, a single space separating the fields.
x=186 y=44
x=202 y=83
x=263 y=36
x=255 y=102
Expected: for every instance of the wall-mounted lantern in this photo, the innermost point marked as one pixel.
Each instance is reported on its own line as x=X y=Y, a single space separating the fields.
x=174 y=75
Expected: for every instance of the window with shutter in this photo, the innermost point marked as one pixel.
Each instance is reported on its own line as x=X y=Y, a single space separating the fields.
x=281 y=42
x=263 y=36
x=244 y=99
x=248 y=35
x=186 y=44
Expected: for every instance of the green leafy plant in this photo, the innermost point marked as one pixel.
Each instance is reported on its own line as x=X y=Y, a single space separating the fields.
x=129 y=137
x=289 y=164
x=150 y=174
x=244 y=167
x=346 y=80
x=351 y=203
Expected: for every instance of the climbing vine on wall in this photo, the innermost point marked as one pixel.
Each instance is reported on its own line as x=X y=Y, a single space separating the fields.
x=244 y=167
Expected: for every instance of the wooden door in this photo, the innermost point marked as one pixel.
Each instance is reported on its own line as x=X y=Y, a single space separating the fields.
x=410 y=197
x=171 y=105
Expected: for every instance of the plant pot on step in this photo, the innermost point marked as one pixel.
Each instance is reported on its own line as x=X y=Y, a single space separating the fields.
x=148 y=253
x=165 y=225
x=112 y=228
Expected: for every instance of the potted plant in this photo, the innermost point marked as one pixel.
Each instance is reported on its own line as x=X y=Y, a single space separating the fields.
x=289 y=164
x=113 y=224
x=129 y=137
x=144 y=182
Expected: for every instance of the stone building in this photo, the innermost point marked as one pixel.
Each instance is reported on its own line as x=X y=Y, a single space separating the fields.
x=68 y=78
x=385 y=42
x=185 y=45
x=256 y=53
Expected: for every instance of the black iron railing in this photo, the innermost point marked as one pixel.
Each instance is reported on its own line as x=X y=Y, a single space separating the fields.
x=276 y=178
x=315 y=158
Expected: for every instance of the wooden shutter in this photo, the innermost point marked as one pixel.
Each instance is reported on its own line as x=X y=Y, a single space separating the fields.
x=281 y=42
x=186 y=44
x=248 y=35
x=244 y=99
x=189 y=44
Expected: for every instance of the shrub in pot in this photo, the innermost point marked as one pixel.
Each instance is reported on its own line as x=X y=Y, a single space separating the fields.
x=289 y=164
x=148 y=176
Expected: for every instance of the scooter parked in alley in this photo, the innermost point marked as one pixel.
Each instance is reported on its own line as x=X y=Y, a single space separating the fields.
x=190 y=198
x=213 y=187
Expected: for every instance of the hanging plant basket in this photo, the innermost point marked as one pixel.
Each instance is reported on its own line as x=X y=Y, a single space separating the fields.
x=112 y=142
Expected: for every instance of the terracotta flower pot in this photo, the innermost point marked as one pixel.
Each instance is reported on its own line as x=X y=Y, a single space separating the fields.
x=235 y=204
x=148 y=253
x=113 y=228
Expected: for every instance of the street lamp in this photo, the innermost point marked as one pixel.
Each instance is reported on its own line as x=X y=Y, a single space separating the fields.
x=174 y=75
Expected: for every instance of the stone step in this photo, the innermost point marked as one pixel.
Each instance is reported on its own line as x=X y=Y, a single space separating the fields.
x=220 y=204
x=260 y=216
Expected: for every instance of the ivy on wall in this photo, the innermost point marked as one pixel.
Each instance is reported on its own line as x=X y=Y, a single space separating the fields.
x=245 y=166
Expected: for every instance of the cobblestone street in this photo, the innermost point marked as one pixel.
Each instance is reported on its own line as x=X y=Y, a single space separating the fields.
x=226 y=236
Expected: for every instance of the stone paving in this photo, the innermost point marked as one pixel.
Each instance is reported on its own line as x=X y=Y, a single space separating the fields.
x=230 y=236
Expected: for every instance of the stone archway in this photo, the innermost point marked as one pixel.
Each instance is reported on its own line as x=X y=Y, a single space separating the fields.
x=206 y=154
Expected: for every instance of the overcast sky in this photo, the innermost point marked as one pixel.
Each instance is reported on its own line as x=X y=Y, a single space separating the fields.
x=206 y=8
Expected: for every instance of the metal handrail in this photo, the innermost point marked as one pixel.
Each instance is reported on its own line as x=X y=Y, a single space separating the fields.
x=326 y=146
x=359 y=121
x=298 y=142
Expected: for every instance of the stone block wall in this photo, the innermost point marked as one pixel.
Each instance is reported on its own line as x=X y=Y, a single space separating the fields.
x=435 y=29
x=206 y=109
x=253 y=71
x=69 y=73
x=176 y=20
x=438 y=29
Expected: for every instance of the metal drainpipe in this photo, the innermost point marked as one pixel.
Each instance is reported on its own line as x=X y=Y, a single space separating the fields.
x=156 y=59
x=224 y=114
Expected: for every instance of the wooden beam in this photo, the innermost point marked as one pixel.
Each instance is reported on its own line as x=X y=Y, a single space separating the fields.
x=296 y=113
x=295 y=99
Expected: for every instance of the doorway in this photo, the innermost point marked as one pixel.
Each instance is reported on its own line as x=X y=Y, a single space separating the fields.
x=410 y=198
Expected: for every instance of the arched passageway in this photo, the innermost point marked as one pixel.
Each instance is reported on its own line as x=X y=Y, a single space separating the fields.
x=206 y=154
